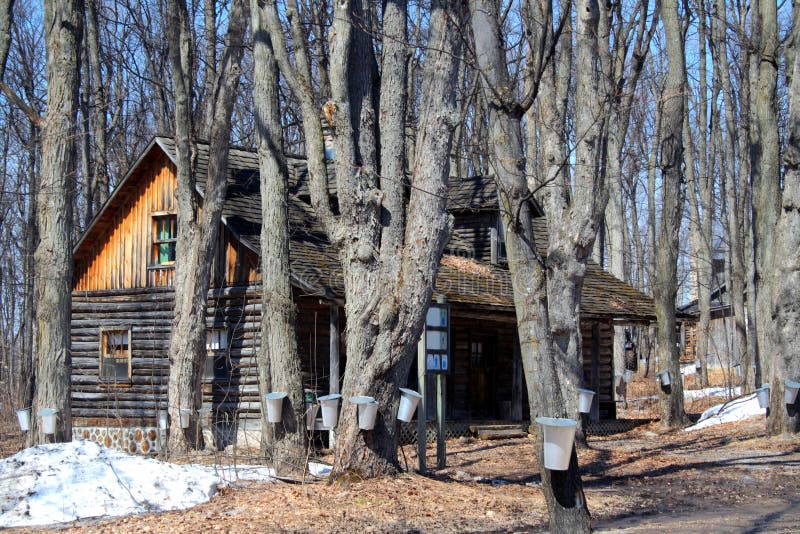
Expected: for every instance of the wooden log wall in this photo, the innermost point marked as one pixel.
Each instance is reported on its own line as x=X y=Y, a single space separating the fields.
x=495 y=377
x=601 y=378
x=476 y=229
x=148 y=313
x=116 y=254
x=502 y=334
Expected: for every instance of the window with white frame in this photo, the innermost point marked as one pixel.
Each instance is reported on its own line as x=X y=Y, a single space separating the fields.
x=216 y=342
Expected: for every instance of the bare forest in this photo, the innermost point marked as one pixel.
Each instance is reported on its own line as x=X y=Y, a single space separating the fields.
x=658 y=140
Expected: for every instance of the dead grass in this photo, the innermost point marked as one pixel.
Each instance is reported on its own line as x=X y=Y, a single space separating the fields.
x=494 y=486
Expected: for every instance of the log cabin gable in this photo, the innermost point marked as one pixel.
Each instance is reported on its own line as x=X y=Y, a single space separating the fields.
x=131 y=242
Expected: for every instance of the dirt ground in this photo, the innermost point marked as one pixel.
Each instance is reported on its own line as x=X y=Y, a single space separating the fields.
x=729 y=478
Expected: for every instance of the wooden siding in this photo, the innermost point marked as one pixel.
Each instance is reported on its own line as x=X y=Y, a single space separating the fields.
x=117 y=252
x=148 y=314
x=476 y=230
x=598 y=366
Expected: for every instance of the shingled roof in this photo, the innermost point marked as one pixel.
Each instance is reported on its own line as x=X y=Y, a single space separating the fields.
x=315 y=264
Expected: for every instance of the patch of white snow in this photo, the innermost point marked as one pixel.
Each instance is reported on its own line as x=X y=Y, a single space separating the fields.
x=62 y=482
x=735 y=410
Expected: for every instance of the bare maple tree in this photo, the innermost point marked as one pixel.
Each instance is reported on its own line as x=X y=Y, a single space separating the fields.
x=198 y=229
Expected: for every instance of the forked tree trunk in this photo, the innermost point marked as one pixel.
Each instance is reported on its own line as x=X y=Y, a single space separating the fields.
x=666 y=283
x=389 y=247
x=278 y=361
x=546 y=297
x=785 y=418
x=198 y=232
x=382 y=334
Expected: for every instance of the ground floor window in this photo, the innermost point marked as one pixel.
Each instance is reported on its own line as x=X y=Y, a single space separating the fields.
x=115 y=355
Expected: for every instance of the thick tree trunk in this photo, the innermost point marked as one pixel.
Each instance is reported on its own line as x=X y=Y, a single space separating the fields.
x=53 y=256
x=547 y=329
x=671 y=161
x=785 y=418
x=381 y=335
x=278 y=361
x=765 y=176
x=198 y=232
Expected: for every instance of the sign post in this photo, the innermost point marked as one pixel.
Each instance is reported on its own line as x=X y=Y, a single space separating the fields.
x=437 y=361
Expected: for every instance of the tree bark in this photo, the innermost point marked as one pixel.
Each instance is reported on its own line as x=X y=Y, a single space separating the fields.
x=382 y=334
x=197 y=235
x=671 y=161
x=278 y=361
x=53 y=255
x=782 y=417
x=765 y=175
x=549 y=353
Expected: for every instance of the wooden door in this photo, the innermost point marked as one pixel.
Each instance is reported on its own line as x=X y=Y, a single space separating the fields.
x=482 y=378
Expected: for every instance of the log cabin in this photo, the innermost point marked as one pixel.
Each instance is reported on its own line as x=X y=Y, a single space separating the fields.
x=122 y=303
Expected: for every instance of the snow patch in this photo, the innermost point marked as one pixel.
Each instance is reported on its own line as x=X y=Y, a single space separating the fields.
x=735 y=410
x=62 y=482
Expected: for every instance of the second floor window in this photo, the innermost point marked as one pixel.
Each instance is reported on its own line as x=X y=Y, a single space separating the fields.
x=165 y=236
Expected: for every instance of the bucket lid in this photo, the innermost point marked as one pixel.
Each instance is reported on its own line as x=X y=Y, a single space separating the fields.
x=410 y=392
x=332 y=396
x=186 y=410
x=587 y=391
x=791 y=384
x=44 y=412
x=556 y=421
x=275 y=395
x=764 y=386
x=23 y=410
x=361 y=399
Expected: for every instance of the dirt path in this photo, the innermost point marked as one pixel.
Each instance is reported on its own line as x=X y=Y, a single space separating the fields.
x=769 y=515
x=729 y=478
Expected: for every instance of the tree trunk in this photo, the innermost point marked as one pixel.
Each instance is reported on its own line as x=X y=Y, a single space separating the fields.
x=701 y=214
x=549 y=351
x=765 y=175
x=278 y=361
x=785 y=418
x=671 y=161
x=198 y=232
x=53 y=256
x=379 y=358
x=99 y=110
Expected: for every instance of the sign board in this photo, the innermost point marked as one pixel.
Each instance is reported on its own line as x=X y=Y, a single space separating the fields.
x=437 y=338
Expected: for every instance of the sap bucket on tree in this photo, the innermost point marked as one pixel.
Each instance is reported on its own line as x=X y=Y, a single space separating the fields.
x=24 y=418
x=627 y=375
x=48 y=416
x=559 y=436
x=408 y=404
x=791 y=391
x=763 y=396
x=585 y=397
x=274 y=402
x=737 y=369
x=186 y=414
x=663 y=377
x=367 y=411
x=330 y=409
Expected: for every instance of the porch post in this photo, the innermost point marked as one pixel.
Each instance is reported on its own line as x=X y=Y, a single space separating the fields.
x=334 y=358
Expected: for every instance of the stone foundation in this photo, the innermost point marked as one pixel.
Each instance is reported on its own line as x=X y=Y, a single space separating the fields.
x=135 y=440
